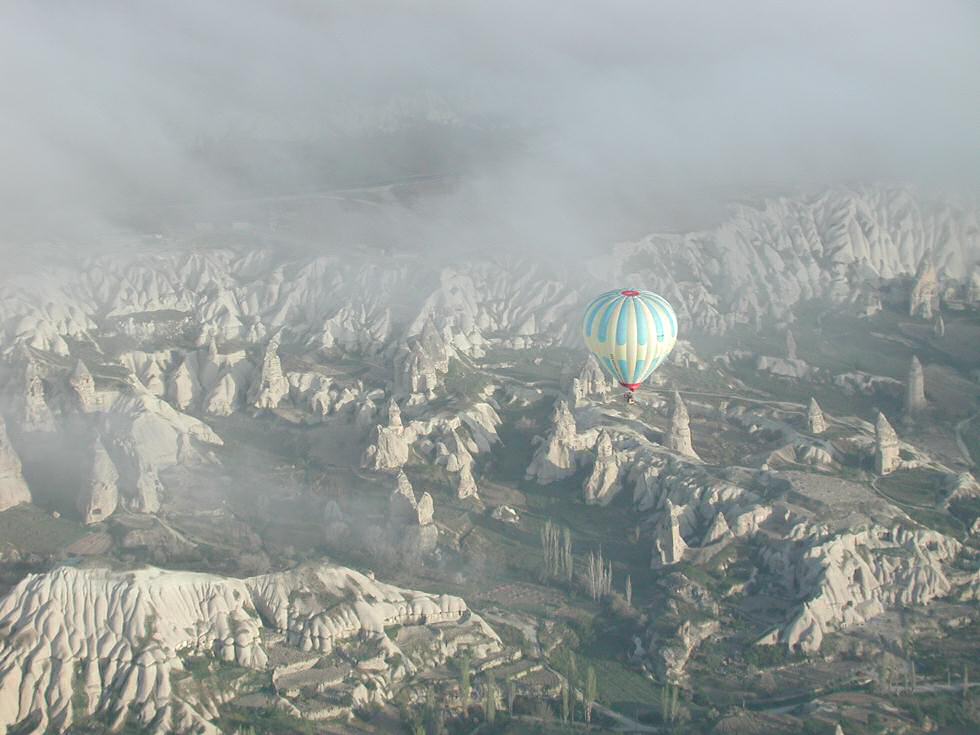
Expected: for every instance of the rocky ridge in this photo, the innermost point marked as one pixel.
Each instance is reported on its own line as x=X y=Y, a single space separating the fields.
x=136 y=632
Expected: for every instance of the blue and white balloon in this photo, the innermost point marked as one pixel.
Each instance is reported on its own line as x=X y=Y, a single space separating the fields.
x=631 y=332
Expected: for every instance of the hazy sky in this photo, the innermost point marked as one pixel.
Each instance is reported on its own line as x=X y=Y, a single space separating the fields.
x=578 y=118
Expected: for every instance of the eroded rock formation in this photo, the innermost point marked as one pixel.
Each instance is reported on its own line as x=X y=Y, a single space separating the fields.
x=83 y=385
x=271 y=386
x=669 y=546
x=100 y=492
x=815 y=422
x=915 y=389
x=128 y=640
x=590 y=384
x=35 y=414
x=389 y=446
x=411 y=518
x=604 y=482
x=557 y=456
x=678 y=437
x=887 y=457
x=924 y=298
x=13 y=488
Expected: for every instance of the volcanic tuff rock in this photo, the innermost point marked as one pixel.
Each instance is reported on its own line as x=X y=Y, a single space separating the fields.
x=924 y=299
x=83 y=385
x=153 y=379
x=678 y=437
x=360 y=330
x=415 y=374
x=136 y=628
x=390 y=445
x=13 y=488
x=668 y=545
x=764 y=259
x=557 y=456
x=673 y=632
x=674 y=652
x=783 y=367
x=466 y=483
x=402 y=503
x=411 y=518
x=142 y=433
x=815 y=422
x=852 y=583
x=867 y=384
x=915 y=389
x=425 y=510
x=820 y=558
x=590 y=384
x=886 y=446
x=394 y=415
x=751 y=268
x=29 y=398
x=224 y=397
x=100 y=493
x=183 y=390
x=604 y=482
x=271 y=386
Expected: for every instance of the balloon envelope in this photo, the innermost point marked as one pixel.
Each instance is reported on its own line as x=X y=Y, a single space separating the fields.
x=631 y=332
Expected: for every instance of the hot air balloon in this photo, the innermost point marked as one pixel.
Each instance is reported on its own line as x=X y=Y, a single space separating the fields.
x=630 y=332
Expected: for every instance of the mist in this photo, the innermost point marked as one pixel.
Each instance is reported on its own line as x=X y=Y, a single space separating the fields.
x=545 y=127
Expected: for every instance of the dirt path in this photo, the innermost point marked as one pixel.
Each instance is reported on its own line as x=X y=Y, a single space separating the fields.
x=964 y=450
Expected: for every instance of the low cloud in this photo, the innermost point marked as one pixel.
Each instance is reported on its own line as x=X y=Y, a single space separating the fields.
x=559 y=124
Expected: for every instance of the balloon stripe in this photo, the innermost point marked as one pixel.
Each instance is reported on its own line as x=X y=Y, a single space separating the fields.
x=590 y=322
x=669 y=311
x=641 y=322
x=622 y=322
x=593 y=309
x=655 y=313
x=604 y=324
x=629 y=316
x=646 y=318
